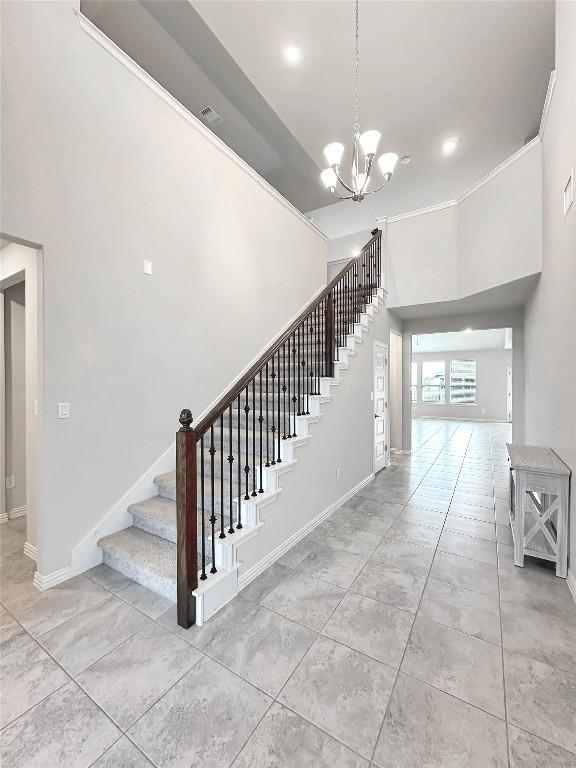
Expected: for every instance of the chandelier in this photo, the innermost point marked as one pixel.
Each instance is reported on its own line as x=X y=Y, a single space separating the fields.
x=363 y=153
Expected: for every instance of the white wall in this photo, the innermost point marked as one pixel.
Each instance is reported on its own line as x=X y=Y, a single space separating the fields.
x=500 y=227
x=489 y=237
x=491 y=386
x=102 y=172
x=422 y=258
x=551 y=313
x=396 y=398
x=15 y=393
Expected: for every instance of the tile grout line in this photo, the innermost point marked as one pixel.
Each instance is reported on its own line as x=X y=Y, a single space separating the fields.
x=411 y=629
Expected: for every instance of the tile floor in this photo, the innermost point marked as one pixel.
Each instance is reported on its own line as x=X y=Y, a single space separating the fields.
x=399 y=635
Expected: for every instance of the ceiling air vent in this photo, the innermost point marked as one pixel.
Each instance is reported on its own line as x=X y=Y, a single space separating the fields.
x=210 y=116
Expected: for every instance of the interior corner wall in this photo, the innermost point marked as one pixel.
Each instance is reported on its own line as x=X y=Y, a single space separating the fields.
x=551 y=312
x=491 y=386
x=103 y=171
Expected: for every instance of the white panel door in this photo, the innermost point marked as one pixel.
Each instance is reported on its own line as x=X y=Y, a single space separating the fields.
x=380 y=406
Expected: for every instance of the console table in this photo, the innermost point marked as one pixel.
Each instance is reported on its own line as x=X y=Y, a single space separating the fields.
x=539 y=497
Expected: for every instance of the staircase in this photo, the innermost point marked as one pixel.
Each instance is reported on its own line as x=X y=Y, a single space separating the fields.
x=184 y=542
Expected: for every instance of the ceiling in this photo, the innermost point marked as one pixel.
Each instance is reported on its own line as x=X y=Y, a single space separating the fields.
x=477 y=69
x=460 y=341
x=429 y=70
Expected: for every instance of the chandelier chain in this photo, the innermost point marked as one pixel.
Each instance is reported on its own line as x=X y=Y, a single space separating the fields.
x=357 y=115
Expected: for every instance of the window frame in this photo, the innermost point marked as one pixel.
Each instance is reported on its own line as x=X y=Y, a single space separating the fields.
x=444 y=400
x=457 y=386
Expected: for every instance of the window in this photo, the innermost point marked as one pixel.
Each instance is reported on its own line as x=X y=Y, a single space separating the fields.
x=414 y=382
x=434 y=382
x=462 y=381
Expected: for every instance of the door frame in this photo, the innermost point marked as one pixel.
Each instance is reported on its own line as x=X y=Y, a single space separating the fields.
x=509 y=393
x=386 y=400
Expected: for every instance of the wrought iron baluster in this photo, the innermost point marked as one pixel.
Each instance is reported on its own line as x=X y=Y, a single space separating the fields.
x=222 y=534
x=267 y=421
x=278 y=436
x=260 y=421
x=295 y=406
x=273 y=425
x=284 y=391
x=247 y=465
x=230 y=471
x=239 y=469
x=212 y=451
x=203 y=575
x=254 y=478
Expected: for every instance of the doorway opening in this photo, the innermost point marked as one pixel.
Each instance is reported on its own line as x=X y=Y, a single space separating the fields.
x=20 y=387
x=460 y=376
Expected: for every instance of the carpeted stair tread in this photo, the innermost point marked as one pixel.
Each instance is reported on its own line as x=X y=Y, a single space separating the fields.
x=143 y=557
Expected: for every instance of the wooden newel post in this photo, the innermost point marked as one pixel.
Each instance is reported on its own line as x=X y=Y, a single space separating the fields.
x=186 y=521
x=329 y=334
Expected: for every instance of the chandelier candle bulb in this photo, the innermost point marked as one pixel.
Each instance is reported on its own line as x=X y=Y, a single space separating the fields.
x=387 y=163
x=328 y=178
x=369 y=141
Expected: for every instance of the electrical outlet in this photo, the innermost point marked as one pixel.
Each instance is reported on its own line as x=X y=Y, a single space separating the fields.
x=337 y=473
x=10 y=482
x=147 y=267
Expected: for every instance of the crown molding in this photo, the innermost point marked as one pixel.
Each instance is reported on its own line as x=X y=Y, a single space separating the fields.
x=99 y=37
x=547 y=102
x=384 y=220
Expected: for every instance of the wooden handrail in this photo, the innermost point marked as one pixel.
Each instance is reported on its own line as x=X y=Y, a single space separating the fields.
x=241 y=384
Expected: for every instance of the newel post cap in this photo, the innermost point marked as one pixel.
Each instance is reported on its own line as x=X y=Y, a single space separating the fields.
x=185 y=419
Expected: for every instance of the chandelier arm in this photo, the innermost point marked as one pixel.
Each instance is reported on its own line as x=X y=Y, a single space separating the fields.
x=367 y=169
x=340 y=197
x=346 y=187
x=371 y=191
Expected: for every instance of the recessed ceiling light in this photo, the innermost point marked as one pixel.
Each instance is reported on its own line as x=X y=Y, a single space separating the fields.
x=467 y=330
x=292 y=55
x=405 y=160
x=449 y=146
x=356 y=251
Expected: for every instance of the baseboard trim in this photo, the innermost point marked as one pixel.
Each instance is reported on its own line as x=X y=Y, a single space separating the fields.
x=17 y=512
x=571 y=581
x=255 y=571
x=45 y=581
x=4 y=517
x=30 y=551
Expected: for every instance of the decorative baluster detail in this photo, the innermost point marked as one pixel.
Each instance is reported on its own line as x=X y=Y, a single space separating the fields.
x=254 y=478
x=186 y=521
x=267 y=421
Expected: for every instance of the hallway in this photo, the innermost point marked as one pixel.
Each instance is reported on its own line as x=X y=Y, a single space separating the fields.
x=397 y=634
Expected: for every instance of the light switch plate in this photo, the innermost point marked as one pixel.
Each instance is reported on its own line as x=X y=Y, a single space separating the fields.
x=147 y=267
x=63 y=410
x=10 y=482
